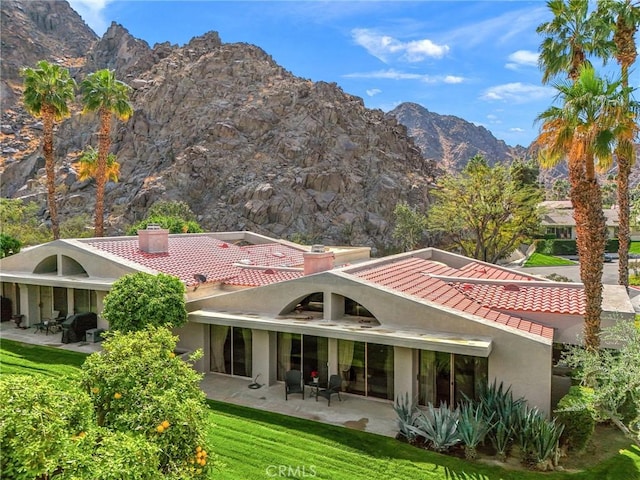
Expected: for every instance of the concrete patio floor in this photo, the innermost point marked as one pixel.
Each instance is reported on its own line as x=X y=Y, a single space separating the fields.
x=354 y=411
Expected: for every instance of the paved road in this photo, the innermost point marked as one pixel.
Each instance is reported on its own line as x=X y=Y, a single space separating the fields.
x=609 y=274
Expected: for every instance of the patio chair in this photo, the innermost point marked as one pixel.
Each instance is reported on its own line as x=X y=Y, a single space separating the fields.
x=293 y=383
x=48 y=324
x=335 y=384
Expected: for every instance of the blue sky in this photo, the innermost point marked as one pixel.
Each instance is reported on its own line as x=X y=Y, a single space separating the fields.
x=473 y=59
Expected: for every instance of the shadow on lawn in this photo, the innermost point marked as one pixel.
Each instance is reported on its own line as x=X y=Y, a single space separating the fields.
x=23 y=352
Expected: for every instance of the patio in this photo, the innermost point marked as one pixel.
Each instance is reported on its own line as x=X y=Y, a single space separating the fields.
x=353 y=411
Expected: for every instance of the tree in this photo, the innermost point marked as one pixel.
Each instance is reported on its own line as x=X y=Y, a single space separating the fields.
x=139 y=385
x=484 y=212
x=88 y=165
x=410 y=226
x=168 y=208
x=104 y=94
x=582 y=130
x=560 y=189
x=9 y=245
x=20 y=220
x=614 y=375
x=569 y=38
x=622 y=18
x=48 y=89
x=141 y=299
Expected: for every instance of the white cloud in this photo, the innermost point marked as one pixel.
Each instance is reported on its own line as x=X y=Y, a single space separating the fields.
x=91 y=13
x=373 y=92
x=522 y=58
x=392 y=74
x=517 y=93
x=385 y=47
x=516 y=130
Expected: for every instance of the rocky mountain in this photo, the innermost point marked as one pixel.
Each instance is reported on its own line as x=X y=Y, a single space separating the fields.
x=450 y=141
x=224 y=128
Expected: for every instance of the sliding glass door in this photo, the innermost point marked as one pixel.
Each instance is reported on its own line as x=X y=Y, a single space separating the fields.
x=449 y=378
x=231 y=350
x=366 y=368
x=306 y=353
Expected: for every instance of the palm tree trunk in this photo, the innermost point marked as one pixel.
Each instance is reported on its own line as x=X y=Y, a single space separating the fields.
x=586 y=198
x=49 y=166
x=624 y=170
x=101 y=170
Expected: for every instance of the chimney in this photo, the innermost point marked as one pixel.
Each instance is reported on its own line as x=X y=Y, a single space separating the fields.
x=154 y=239
x=317 y=260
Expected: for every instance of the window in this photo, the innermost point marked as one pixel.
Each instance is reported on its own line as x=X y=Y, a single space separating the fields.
x=84 y=301
x=231 y=350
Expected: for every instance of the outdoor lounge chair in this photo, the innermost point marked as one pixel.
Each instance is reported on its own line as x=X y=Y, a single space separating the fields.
x=293 y=383
x=335 y=384
x=48 y=324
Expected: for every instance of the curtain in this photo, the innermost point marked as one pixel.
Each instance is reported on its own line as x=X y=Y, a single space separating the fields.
x=323 y=359
x=247 y=338
x=427 y=377
x=284 y=354
x=345 y=355
x=218 y=338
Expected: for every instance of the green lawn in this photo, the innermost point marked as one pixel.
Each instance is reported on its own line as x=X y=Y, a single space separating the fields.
x=634 y=247
x=254 y=444
x=540 y=260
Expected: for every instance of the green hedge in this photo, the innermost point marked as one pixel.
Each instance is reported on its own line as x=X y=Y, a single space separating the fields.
x=561 y=246
x=578 y=418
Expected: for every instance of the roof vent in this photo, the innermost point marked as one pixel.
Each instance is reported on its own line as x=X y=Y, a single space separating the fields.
x=317 y=248
x=467 y=286
x=511 y=288
x=224 y=245
x=269 y=271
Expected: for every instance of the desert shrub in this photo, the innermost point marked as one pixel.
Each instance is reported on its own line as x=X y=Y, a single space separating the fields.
x=438 y=426
x=42 y=425
x=537 y=437
x=141 y=299
x=138 y=384
x=9 y=245
x=407 y=410
x=472 y=427
x=171 y=223
x=576 y=414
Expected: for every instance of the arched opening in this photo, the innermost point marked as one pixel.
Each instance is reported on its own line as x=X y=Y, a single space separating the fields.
x=48 y=265
x=72 y=267
x=311 y=304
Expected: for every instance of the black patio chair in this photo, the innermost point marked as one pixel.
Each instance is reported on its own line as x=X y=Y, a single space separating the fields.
x=334 y=387
x=293 y=383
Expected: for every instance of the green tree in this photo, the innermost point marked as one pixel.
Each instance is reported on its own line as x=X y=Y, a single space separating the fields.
x=614 y=375
x=560 y=189
x=41 y=427
x=78 y=226
x=9 y=245
x=173 y=224
x=138 y=384
x=621 y=19
x=582 y=130
x=138 y=300
x=88 y=165
x=171 y=208
x=48 y=89
x=484 y=212
x=20 y=220
x=104 y=94
x=410 y=226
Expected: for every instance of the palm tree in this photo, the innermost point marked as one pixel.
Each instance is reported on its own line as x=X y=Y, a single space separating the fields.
x=622 y=19
x=48 y=89
x=103 y=93
x=88 y=165
x=583 y=132
x=569 y=38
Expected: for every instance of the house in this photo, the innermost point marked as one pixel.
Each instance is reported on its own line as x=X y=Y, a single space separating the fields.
x=428 y=322
x=557 y=219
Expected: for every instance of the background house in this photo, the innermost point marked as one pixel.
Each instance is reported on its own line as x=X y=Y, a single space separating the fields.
x=557 y=220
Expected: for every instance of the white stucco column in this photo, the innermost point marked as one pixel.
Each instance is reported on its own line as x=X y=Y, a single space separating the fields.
x=263 y=355
x=403 y=372
x=29 y=304
x=333 y=306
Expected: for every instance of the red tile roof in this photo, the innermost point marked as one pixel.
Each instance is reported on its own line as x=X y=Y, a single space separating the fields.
x=413 y=276
x=189 y=255
x=527 y=298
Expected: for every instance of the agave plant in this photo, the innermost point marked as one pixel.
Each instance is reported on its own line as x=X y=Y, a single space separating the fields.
x=472 y=428
x=407 y=410
x=545 y=436
x=439 y=426
x=501 y=437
